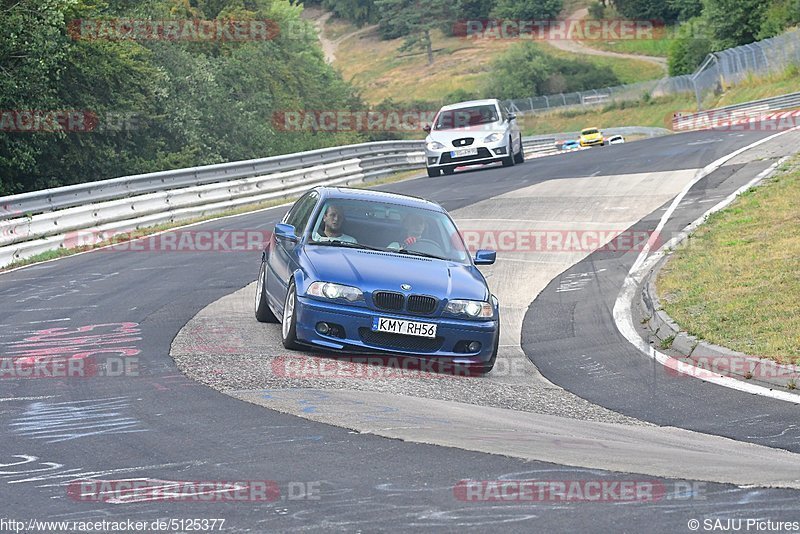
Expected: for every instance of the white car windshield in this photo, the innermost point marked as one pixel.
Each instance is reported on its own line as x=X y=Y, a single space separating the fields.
x=465 y=117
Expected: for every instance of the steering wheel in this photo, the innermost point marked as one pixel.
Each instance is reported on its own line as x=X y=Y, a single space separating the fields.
x=428 y=246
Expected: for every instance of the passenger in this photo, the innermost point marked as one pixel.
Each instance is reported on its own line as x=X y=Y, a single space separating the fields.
x=331 y=226
x=414 y=226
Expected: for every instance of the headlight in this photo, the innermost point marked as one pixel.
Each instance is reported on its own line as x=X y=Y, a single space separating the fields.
x=493 y=138
x=470 y=308
x=435 y=145
x=330 y=290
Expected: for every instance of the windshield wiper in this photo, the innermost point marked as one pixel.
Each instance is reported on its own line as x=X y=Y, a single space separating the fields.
x=416 y=253
x=346 y=244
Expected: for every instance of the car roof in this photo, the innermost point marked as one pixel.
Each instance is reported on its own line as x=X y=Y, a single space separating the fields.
x=468 y=103
x=350 y=193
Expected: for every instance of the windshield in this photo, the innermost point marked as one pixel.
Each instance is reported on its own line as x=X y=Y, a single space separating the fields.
x=388 y=228
x=590 y=131
x=464 y=117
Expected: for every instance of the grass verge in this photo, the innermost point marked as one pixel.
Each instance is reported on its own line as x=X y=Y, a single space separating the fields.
x=738 y=283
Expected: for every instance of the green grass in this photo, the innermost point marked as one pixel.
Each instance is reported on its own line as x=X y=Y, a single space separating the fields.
x=738 y=284
x=657 y=112
x=627 y=70
x=644 y=47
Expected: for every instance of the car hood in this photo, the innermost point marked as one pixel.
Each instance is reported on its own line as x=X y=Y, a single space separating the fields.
x=480 y=132
x=372 y=270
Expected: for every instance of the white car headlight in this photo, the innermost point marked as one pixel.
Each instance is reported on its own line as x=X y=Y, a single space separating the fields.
x=470 y=308
x=435 y=145
x=330 y=290
x=493 y=138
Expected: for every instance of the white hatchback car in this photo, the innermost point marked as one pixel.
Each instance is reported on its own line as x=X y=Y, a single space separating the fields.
x=472 y=133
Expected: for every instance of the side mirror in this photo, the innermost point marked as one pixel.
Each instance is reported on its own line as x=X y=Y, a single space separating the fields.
x=286 y=231
x=427 y=128
x=485 y=257
x=512 y=116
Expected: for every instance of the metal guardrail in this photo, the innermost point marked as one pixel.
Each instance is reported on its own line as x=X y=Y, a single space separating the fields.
x=86 y=214
x=76 y=195
x=736 y=114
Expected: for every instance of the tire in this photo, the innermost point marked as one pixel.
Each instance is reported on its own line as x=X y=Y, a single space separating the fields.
x=511 y=159
x=520 y=158
x=449 y=170
x=263 y=313
x=289 y=321
x=432 y=173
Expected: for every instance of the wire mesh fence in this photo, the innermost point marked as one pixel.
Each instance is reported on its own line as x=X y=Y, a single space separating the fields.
x=719 y=69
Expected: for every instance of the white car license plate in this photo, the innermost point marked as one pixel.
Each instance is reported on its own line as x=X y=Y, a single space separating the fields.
x=464 y=152
x=398 y=326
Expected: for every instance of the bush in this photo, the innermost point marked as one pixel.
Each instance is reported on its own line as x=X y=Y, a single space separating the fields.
x=688 y=49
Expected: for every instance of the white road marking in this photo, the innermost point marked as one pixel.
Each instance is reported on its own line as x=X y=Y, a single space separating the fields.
x=623 y=315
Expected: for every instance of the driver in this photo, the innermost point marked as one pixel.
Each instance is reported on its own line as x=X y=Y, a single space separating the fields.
x=331 y=226
x=414 y=226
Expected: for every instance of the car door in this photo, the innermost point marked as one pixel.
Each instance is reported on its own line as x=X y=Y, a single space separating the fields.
x=282 y=258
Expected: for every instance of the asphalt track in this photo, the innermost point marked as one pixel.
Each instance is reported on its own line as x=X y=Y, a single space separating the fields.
x=161 y=425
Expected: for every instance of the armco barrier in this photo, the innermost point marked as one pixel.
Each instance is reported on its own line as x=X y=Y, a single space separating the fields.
x=739 y=112
x=32 y=223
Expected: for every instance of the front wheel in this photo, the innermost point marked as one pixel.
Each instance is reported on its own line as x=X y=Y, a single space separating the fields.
x=263 y=313
x=289 y=323
x=520 y=157
x=511 y=159
x=449 y=170
x=432 y=173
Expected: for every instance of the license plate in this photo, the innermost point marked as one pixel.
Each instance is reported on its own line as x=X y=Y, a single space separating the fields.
x=464 y=152
x=398 y=326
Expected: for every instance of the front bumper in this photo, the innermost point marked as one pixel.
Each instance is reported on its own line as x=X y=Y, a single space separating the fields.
x=357 y=321
x=487 y=153
x=592 y=142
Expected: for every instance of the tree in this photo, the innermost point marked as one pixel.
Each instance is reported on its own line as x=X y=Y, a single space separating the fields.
x=528 y=9
x=688 y=49
x=734 y=22
x=415 y=20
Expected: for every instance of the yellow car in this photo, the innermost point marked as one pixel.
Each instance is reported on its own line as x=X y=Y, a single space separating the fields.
x=591 y=137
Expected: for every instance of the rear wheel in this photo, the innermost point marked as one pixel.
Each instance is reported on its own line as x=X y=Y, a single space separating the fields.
x=263 y=313
x=289 y=323
x=432 y=173
x=520 y=157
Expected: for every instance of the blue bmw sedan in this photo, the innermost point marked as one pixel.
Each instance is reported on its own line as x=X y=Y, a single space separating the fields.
x=359 y=271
